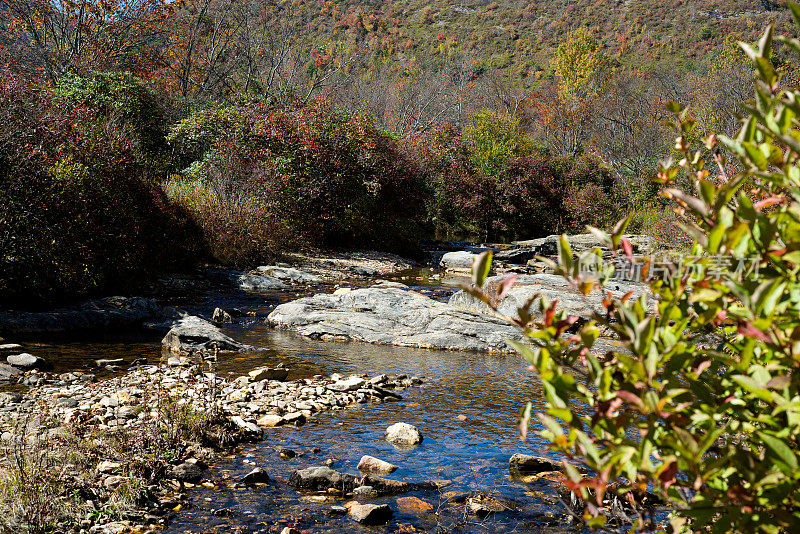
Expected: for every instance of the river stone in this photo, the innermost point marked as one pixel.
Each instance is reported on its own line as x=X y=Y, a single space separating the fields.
x=256 y=476
x=187 y=472
x=322 y=478
x=270 y=420
x=364 y=492
x=403 y=435
x=371 y=514
x=394 y=317
x=553 y=287
x=287 y=273
x=351 y=383
x=533 y=464
x=460 y=261
x=28 y=361
x=266 y=373
x=10 y=346
x=220 y=316
x=7 y=372
x=195 y=333
x=372 y=465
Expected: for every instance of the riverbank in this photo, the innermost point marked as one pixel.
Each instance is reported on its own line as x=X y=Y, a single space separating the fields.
x=118 y=455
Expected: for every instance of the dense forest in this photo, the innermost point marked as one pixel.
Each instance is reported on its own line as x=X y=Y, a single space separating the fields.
x=144 y=135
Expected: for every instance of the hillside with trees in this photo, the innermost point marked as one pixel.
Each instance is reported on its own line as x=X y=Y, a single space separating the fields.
x=262 y=126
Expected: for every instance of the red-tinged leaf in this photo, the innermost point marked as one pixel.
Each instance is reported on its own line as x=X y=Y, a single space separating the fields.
x=767 y=202
x=627 y=248
x=505 y=286
x=702 y=366
x=549 y=313
x=626 y=296
x=524 y=421
x=564 y=324
x=630 y=398
x=747 y=329
x=667 y=476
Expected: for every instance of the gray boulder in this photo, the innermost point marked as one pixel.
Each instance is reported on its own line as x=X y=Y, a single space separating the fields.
x=371 y=514
x=9 y=372
x=256 y=476
x=460 y=261
x=393 y=317
x=193 y=333
x=27 y=361
x=187 y=472
x=279 y=373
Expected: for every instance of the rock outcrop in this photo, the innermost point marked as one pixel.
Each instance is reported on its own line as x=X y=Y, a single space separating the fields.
x=393 y=317
x=551 y=286
x=109 y=312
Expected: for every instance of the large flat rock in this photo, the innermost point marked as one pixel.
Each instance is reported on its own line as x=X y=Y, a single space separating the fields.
x=394 y=316
x=551 y=286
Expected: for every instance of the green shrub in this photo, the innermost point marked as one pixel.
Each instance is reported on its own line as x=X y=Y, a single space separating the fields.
x=701 y=404
x=125 y=101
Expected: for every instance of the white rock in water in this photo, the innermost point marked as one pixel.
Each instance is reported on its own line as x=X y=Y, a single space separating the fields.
x=370 y=464
x=351 y=383
x=403 y=435
x=458 y=261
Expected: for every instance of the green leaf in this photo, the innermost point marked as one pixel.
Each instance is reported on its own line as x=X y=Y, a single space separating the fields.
x=481 y=267
x=781 y=450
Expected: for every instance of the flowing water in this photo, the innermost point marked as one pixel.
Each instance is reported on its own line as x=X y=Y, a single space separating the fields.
x=466 y=410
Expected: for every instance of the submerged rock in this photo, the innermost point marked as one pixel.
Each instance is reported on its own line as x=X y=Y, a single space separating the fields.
x=195 y=333
x=533 y=464
x=403 y=435
x=393 y=317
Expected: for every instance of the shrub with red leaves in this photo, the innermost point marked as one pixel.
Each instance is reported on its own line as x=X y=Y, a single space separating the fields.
x=322 y=177
x=75 y=216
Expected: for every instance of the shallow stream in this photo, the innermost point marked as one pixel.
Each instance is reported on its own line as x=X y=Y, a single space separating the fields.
x=466 y=410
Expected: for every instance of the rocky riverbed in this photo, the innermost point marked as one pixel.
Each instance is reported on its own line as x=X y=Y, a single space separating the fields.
x=197 y=436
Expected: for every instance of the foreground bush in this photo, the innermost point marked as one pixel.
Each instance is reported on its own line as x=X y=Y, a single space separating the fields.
x=302 y=176
x=703 y=405
x=76 y=216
